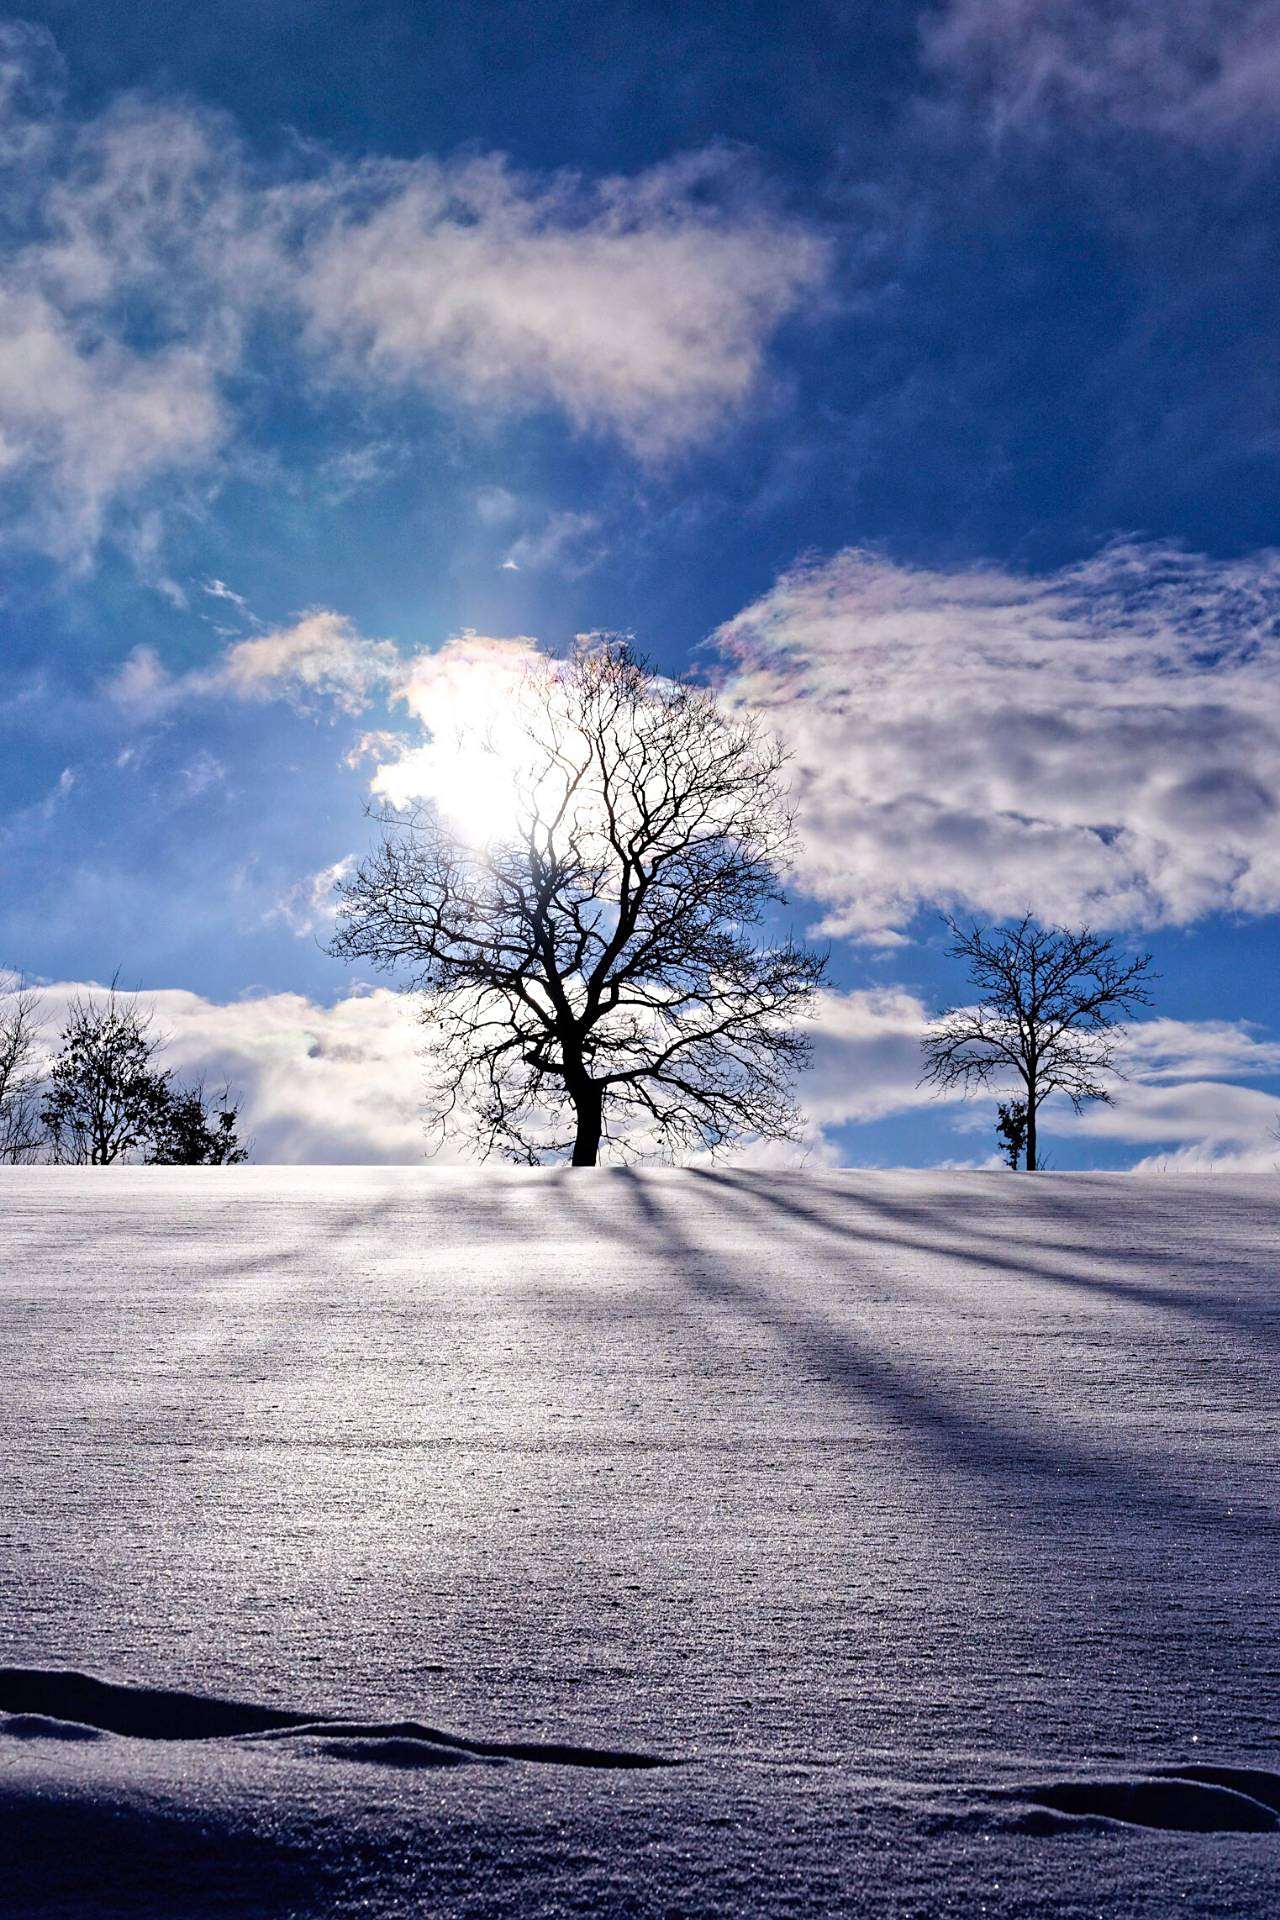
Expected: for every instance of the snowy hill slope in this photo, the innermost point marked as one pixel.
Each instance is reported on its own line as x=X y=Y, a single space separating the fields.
x=924 y=1519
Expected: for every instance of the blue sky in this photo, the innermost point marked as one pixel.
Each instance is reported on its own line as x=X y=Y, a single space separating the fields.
x=915 y=369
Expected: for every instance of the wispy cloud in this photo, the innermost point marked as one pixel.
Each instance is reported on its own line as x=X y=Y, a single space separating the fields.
x=1159 y=1050
x=202 y=772
x=496 y=506
x=312 y=902
x=1204 y=73
x=86 y=421
x=58 y=794
x=1100 y=743
x=639 y=307
x=322 y=655
x=219 y=590
x=566 y=541
x=143 y=244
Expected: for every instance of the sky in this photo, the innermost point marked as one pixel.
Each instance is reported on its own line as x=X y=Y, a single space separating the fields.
x=909 y=373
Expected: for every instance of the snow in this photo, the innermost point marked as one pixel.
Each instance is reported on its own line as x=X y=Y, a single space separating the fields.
x=923 y=1519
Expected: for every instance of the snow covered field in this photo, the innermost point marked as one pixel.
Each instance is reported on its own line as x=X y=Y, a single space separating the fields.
x=923 y=1520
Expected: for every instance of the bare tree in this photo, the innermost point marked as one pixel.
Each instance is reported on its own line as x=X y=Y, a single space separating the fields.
x=1050 y=1001
x=20 y=1128
x=599 y=970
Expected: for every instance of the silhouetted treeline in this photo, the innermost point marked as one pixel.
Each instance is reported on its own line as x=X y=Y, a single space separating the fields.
x=98 y=1095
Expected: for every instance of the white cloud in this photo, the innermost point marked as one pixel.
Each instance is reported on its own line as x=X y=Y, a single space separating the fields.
x=345 y=474
x=1204 y=72
x=1199 y=1118
x=142 y=684
x=31 y=86
x=1101 y=743
x=58 y=794
x=866 y=1056
x=142 y=539
x=345 y=1083
x=1262 y=1158
x=320 y=656
x=85 y=420
x=496 y=506
x=1156 y=1050
x=378 y=744
x=339 y=1084
x=219 y=590
x=335 y=1084
x=114 y=335
x=202 y=772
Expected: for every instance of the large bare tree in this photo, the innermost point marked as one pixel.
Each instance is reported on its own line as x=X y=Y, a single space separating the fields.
x=598 y=973
x=1049 y=1003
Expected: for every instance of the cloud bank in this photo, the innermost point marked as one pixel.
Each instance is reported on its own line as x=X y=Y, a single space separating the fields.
x=1101 y=743
x=343 y=1084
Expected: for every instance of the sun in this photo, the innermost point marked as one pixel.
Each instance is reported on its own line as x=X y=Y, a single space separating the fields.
x=476 y=789
x=468 y=697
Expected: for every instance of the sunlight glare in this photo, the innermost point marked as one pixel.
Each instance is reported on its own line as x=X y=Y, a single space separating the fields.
x=468 y=697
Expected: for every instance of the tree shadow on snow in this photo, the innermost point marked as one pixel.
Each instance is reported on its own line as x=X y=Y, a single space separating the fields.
x=951 y=1436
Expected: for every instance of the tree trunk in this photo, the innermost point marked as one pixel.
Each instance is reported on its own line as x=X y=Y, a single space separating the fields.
x=588 y=1104
x=1031 y=1131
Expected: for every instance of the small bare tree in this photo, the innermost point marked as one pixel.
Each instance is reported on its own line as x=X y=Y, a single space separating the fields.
x=20 y=1129
x=1050 y=1001
x=598 y=970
